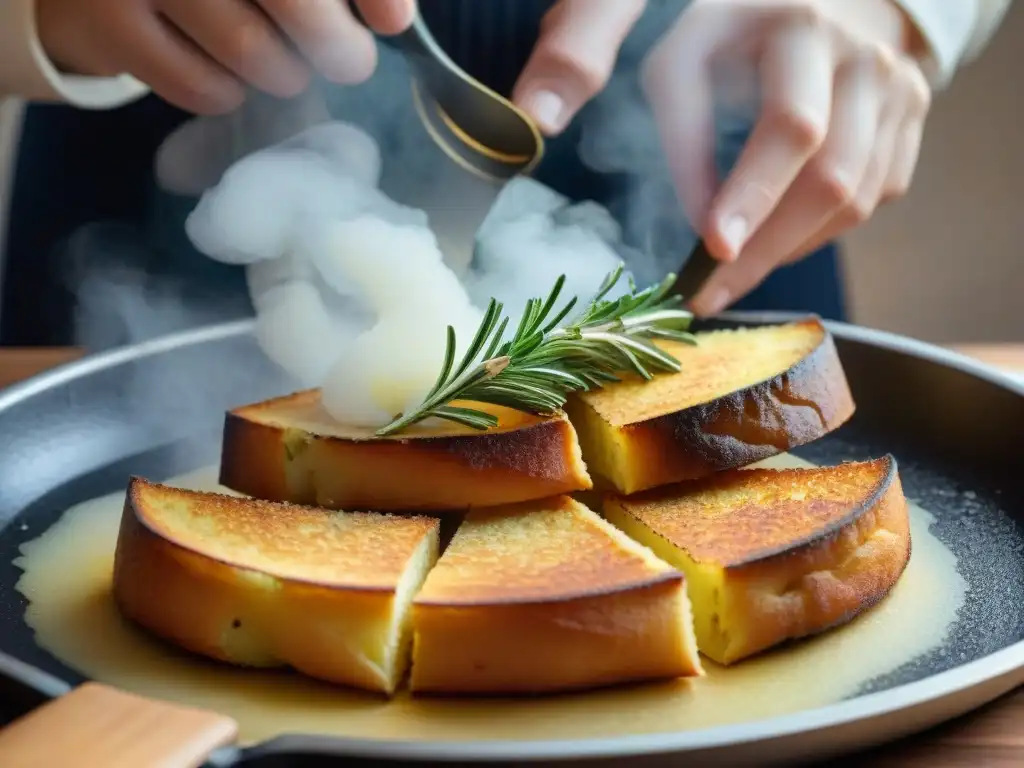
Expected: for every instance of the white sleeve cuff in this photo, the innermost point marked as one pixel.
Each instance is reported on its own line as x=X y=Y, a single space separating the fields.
x=26 y=71
x=946 y=26
x=955 y=31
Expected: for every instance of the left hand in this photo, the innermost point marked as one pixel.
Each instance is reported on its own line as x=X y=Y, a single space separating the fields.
x=202 y=55
x=843 y=106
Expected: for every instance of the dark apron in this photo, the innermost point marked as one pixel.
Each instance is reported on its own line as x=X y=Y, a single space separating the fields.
x=76 y=168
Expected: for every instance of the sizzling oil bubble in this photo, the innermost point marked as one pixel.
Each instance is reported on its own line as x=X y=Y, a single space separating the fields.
x=67 y=573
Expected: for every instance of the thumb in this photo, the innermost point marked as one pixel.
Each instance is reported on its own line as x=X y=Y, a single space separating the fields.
x=573 y=58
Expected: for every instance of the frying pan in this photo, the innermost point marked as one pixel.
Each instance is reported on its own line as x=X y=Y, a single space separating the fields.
x=954 y=424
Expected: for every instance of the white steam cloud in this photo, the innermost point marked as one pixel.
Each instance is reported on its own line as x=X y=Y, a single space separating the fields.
x=351 y=289
x=308 y=207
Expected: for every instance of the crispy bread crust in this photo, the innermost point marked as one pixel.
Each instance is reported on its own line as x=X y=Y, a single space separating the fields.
x=795 y=407
x=636 y=634
x=238 y=615
x=586 y=608
x=832 y=577
x=441 y=472
x=573 y=555
x=822 y=579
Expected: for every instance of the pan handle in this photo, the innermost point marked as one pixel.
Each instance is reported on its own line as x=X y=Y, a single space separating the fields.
x=95 y=726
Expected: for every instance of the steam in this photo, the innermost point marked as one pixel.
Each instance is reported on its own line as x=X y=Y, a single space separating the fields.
x=348 y=263
x=351 y=289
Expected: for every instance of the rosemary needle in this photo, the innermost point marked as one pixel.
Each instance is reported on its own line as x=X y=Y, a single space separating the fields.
x=545 y=360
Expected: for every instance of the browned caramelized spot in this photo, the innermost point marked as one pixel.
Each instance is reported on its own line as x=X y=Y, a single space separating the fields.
x=548 y=550
x=742 y=515
x=722 y=362
x=356 y=549
x=305 y=411
x=544 y=451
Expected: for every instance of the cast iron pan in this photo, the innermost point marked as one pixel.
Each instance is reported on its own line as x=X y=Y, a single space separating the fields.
x=955 y=426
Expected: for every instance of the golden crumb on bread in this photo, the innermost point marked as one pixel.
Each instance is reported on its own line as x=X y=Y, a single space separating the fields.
x=741 y=396
x=545 y=597
x=262 y=584
x=289 y=449
x=775 y=554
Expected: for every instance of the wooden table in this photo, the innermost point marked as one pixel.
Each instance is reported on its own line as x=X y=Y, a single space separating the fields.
x=992 y=737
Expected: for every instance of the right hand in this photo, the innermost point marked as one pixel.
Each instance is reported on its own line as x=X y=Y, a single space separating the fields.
x=201 y=55
x=843 y=101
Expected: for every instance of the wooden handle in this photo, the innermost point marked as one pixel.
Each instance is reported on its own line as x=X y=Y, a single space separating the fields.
x=20 y=363
x=99 y=727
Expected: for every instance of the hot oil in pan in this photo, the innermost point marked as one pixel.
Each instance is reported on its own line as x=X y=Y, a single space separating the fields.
x=67 y=583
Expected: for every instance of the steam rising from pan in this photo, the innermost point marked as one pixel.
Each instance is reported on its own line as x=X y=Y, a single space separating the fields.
x=303 y=203
x=351 y=289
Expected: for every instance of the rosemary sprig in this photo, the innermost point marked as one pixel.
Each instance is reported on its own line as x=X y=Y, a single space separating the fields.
x=545 y=360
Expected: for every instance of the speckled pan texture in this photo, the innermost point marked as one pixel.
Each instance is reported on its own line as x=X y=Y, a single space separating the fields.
x=954 y=427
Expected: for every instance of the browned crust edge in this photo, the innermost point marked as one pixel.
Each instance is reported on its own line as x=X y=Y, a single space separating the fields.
x=133 y=510
x=797 y=406
x=678 y=660
x=817 y=382
x=253 y=458
x=656 y=580
x=867 y=600
x=463 y=444
x=469 y=693
x=812 y=540
x=250 y=458
x=886 y=499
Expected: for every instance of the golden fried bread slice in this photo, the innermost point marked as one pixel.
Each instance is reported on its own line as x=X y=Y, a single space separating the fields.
x=289 y=449
x=543 y=597
x=266 y=585
x=776 y=554
x=741 y=396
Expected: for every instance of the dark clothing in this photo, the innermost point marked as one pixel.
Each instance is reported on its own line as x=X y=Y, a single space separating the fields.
x=77 y=167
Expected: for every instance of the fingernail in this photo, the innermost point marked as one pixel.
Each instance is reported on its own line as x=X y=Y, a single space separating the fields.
x=547 y=108
x=734 y=233
x=346 y=64
x=710 y=301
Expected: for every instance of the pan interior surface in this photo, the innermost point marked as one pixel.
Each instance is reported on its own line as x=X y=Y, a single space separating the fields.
x=965 y=480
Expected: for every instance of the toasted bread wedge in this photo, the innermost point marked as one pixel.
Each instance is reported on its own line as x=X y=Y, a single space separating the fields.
x=545 y=597
x=741 y=396
x=289 y=449
x=772 y=555
x=267 y=585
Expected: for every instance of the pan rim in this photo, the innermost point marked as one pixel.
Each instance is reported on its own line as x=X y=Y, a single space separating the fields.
x=996 y=668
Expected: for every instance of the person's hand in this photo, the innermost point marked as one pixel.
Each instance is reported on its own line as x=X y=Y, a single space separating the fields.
x=201 y=54
x=573 y=58
x=843 y=105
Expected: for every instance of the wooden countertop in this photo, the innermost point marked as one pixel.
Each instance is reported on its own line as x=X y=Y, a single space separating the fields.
x=18 y=364
x=992 y=737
